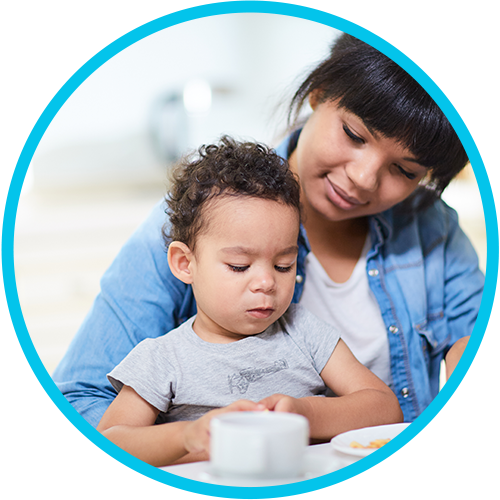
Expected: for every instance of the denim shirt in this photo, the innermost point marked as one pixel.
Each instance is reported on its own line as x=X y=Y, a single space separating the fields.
x=421 y=268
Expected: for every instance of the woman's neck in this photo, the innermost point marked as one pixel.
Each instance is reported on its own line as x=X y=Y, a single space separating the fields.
x=336 y=244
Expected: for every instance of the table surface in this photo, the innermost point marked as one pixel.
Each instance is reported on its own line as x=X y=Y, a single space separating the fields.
x=320 y=459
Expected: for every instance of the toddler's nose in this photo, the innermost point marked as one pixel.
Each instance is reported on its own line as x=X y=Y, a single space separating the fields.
x=264 y=282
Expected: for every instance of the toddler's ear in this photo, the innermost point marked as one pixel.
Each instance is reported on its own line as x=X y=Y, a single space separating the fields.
x=179 y=259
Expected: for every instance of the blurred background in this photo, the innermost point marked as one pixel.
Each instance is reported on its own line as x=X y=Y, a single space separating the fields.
x=101 y=166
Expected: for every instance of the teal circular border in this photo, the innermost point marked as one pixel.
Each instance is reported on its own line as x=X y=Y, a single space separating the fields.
x=58 y=101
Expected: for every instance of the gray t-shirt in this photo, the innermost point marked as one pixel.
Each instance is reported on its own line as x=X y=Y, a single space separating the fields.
x=184 y=377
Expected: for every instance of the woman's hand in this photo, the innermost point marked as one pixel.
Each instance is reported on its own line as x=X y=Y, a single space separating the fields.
x=197 y=433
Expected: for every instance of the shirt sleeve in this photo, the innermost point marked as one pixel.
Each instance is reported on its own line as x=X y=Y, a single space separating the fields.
x=313 y=336
x=139 y=298
x=146 y=369
x=463 y=282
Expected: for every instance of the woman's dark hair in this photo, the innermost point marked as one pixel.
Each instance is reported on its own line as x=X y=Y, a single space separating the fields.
x=228 y=168
x=389 y=101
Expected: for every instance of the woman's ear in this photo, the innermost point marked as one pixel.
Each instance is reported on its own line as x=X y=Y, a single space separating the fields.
x=179 y=259
x=314 y=98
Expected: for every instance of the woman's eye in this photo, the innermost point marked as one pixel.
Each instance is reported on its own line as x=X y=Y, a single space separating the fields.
x=352 y=135
x=238 y=269
x=410 y=175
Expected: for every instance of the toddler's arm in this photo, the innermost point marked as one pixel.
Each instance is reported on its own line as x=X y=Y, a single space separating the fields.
x=363 y=399
x=129 y=423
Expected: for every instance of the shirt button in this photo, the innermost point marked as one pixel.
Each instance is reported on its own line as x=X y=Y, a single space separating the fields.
x=405 y=392
x=393 y=329
x=299 y=278
x=373 y=272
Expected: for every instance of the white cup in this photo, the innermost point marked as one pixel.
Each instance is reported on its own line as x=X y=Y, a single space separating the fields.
x=258 y=444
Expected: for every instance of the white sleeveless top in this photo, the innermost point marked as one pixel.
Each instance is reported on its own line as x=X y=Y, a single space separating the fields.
x=352 y=308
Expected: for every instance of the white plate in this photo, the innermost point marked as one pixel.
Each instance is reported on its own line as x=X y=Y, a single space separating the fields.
x=364 y=436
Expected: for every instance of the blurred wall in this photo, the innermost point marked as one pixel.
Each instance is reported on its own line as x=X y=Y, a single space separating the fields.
x=101 y=165
x=106 y=131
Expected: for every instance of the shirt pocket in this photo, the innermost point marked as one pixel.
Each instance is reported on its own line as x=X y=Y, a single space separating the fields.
x=434 y=337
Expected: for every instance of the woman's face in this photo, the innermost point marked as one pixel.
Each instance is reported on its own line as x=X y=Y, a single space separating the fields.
x=347 y=170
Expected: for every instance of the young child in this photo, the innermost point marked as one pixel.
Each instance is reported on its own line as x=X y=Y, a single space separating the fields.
x=234 y=216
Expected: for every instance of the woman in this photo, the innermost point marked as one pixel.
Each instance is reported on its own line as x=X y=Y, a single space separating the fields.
x=381 y=256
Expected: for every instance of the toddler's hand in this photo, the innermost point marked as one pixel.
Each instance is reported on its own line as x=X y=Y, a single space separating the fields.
x=283 y=403
x=197 y=433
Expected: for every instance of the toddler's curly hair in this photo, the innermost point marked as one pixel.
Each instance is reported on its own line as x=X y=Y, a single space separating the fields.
x=228 y=168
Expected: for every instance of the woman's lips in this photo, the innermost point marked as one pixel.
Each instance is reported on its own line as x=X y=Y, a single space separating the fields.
x=261 y=313
x=340 y=198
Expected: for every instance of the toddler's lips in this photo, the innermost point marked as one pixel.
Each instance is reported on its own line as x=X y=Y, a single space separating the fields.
x=261 y=313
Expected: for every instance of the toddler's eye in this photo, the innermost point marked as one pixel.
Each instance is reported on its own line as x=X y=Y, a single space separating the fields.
x=238 y=269
x=283 y=269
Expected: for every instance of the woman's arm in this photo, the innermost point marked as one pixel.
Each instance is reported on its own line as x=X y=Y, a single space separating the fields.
x=454 y=354
x=139 y=298
x=363 y=399
x=463 y=282
x=129 y=423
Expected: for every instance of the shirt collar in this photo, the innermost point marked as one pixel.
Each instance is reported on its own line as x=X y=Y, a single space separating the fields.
x=288 y=144
x=303 y=238
x=380 y=230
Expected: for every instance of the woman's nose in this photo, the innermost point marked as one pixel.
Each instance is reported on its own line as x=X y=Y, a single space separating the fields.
x=364 y=173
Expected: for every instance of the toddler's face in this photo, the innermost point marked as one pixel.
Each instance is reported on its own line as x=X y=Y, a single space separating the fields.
x=244 y=267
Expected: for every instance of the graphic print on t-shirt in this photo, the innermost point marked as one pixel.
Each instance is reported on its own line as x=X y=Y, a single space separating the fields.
x=245 y=377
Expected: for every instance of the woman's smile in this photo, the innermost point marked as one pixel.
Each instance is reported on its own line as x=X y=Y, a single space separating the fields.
x=340 y=198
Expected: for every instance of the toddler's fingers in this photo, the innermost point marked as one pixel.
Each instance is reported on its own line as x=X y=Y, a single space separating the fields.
x=245 y=405
x=270 y=402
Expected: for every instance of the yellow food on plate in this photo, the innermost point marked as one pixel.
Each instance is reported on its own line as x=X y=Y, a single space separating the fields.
x=355 y=444
x=377 y=443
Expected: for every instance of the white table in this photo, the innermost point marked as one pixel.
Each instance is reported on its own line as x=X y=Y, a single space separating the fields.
x=320 y=459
